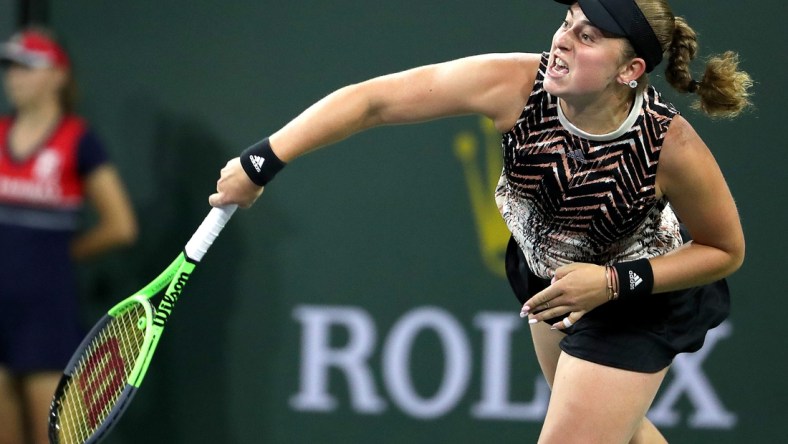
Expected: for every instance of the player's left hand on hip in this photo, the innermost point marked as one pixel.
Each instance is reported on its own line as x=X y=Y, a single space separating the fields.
x=576 y=289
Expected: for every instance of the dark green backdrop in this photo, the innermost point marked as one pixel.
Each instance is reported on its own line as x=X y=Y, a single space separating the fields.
x=377 y=246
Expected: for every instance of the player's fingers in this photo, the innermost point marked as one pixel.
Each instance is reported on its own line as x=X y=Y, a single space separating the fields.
x=552 y=305
x=554 y=308
x=216 y=199
x=540 y=299
x=568 y=321
x=550 y=313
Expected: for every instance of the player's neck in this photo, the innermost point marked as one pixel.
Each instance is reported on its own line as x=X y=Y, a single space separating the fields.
x=600 y=116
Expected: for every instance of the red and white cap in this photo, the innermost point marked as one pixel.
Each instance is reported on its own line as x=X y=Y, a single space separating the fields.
x=35 y=50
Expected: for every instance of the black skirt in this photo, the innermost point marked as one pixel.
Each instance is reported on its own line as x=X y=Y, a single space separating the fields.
x=640 y=334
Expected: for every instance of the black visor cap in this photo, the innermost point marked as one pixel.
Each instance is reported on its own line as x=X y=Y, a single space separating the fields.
x=623 y=18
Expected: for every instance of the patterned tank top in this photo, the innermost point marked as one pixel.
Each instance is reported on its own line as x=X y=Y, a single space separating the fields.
x=569 y=196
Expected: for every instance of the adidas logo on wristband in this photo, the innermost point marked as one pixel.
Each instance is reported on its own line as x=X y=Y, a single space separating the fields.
x=260 y=162
x=637 y=278
x=634 y=280
x=257 y=162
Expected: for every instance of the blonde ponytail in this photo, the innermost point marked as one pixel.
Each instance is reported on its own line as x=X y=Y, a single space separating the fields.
x=723 y=91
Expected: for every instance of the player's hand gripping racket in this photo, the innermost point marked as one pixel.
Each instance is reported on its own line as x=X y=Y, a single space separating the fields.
x=108 y=367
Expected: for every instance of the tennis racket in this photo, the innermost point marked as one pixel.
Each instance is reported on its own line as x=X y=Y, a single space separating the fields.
x=108 y=367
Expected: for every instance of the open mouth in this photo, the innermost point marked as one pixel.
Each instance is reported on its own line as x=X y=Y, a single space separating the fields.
x=559 y=66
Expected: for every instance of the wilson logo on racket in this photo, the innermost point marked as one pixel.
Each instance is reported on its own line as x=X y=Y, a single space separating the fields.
x=106 y=366
x=168 y=301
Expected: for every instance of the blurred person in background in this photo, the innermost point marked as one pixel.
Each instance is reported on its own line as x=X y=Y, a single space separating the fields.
x=51 y=162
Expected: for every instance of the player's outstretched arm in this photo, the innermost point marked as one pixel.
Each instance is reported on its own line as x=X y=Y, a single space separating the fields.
x=493 y=85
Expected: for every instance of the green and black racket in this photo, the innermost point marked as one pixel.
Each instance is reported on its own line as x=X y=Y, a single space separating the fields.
x=110 y=363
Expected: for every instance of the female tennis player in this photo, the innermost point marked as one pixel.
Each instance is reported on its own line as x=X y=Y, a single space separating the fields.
x=598 y=170
x=50 y=163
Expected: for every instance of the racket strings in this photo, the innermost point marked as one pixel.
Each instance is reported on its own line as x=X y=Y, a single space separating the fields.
x=100 y=376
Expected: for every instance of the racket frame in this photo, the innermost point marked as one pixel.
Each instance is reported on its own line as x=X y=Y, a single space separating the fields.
x=174 y=278
x=124 y=399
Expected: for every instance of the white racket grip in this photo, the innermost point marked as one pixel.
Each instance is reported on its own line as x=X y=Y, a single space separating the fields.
x=210 y=227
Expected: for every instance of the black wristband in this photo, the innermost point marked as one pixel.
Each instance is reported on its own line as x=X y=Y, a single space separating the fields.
x=260 y=162
x=634 y=278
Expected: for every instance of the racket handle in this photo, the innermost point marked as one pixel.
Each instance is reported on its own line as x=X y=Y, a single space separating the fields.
x=210 y=227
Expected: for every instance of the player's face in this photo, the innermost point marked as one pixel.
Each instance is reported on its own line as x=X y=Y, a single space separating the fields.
x=28 y=86
x=583 y=61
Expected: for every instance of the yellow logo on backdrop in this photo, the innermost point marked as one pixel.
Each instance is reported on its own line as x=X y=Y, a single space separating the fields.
x=480 y=155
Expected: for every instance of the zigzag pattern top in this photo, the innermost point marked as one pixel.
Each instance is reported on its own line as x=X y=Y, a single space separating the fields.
x=568 y=196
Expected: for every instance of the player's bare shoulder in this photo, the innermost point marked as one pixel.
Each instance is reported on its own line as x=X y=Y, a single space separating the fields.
x=681 y=143
x=515 y=75
x=524 y=68
x=516 y=67
x=684 y=155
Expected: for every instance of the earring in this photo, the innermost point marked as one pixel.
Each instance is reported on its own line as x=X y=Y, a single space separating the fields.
x=633 y=84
